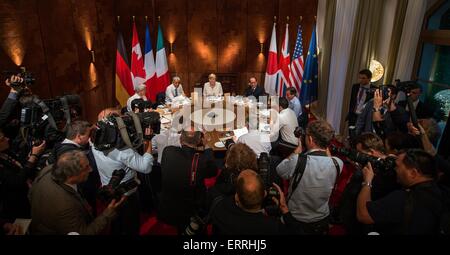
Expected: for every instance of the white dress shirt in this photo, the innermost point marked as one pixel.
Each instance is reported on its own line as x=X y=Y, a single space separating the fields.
x=209 y=91
x=257 y=141
x=127 y=159
x=288 y=123
x=135 y=96
x=172 y=92
x=166 y=138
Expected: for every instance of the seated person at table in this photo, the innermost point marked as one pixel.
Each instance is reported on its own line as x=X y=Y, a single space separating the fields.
x=175 y=89
x=253 y=89
x=140 y=93
x=212 y=88
x=294 y=103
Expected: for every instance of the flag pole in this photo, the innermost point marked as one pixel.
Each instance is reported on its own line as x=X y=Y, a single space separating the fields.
x=134 y=18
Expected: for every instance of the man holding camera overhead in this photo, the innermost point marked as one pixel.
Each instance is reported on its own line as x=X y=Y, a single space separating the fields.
x=312 y=177
x=130 y=161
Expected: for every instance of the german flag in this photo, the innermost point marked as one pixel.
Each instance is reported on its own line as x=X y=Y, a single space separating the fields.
x=124 y=85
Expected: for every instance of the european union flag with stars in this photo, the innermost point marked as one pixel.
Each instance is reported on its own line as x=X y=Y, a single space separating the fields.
x=309 y=89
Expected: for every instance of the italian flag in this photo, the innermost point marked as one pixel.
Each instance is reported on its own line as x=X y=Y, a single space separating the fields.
x=162 y=70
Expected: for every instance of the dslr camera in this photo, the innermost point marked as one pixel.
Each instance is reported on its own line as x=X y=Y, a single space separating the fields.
x=264 y=171
x=140 y=104
x=383 y=166
x=114 y=189
x=28 y=79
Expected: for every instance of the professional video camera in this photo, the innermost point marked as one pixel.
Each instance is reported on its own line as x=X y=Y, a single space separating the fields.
x=28 y=79
x=114 y=189
x=379 y=165
x=125 y=131
x=264 y=171
x=47 y=119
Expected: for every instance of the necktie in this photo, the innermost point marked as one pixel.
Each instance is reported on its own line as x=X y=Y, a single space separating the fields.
x=176 y=92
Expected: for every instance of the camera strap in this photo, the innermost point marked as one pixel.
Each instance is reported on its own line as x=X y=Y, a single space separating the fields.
x=46 y=111
x=138 y=127
x=194 y=166
x=123 y=131
x=66 y=111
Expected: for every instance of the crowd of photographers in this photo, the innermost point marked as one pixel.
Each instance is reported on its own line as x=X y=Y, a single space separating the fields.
x=386 y=178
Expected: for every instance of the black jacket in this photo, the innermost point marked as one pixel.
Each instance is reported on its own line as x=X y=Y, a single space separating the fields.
x=179 y=199
x=351 y=117
x=256 y=93
x=423 y=111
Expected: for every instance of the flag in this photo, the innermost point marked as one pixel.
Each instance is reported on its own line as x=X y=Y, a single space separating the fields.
x=297 y=65
x=309 y=90
x=137 y=60
x=271 y=80
x=162 y=70
x=124 y=86
x=149 y=64
x=285 y=65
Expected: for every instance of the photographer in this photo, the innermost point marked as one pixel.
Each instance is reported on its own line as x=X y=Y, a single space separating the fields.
x=423 y=110
x=414 y=210
x=10 y=103
x=15 y=176
x=183 y=171
x=312 y=177
x=243 y=214
x=56 y=206
x=131 y=161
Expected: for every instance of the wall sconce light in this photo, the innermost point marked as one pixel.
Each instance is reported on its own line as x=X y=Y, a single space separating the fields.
x=261 y=46
x=92 y=56
x=171 y=47
x=377 y=70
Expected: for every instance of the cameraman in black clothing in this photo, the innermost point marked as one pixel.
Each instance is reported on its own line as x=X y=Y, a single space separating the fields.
x=243 y=214
x=414 y=210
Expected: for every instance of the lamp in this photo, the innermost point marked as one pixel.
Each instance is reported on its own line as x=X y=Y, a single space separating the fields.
x=92 y=56
x=377 y=70
x=261 y=48
x=171 y=47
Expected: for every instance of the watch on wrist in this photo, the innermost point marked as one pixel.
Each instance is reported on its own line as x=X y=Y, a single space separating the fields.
x=368 y=184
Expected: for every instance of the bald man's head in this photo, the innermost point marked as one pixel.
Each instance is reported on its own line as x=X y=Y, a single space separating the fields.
x=250 y=190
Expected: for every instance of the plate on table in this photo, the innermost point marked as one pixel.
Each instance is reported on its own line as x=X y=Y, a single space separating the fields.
x=219 y=145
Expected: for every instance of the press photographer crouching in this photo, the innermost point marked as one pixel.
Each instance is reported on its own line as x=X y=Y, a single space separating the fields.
x=243 y=213
x=312 y=176
x=115 y=141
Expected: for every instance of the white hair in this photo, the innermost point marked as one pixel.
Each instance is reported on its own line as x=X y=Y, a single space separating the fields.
x=139 y=87
x=176 y=78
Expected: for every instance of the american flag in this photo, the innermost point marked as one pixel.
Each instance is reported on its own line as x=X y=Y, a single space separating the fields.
x=297 y=65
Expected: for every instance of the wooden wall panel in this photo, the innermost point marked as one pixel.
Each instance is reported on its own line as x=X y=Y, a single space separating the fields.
x=221 y=36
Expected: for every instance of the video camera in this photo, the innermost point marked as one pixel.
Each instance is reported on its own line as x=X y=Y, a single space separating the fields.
x=264 y=171
x=47 y=119
x=125 y=131
x=379 y=165
x=140 y=104
x=114 y=189
x=28 y=79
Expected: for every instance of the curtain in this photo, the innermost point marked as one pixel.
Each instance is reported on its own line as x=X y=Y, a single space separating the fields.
x=325 y=26
x=364 y=47
x=341 y=47
x=399 y=19
x=409 y=40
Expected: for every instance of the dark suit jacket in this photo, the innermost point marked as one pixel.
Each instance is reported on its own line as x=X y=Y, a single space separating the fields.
x=351 y=117
x=57 y=209
x=423 y=111
x=179 y=199
x=7 y=108
x=257 y=93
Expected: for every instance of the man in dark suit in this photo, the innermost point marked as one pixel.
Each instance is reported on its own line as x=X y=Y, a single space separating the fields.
x=57 y=207
x=183 y=172
x=359 y=97
x=253 y=89
x=423 y=111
